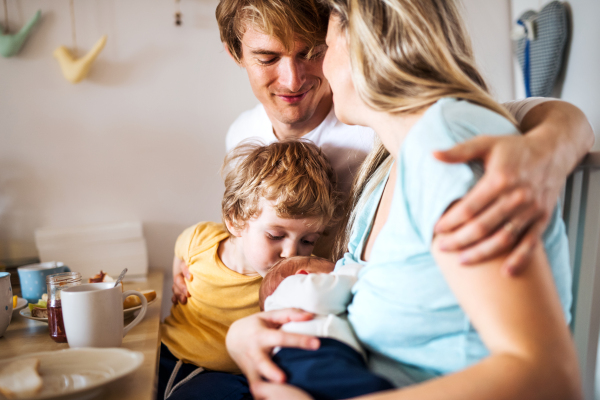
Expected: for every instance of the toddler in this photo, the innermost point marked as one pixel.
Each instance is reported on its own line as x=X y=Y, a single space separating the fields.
x=278 y=199
x=337 y=370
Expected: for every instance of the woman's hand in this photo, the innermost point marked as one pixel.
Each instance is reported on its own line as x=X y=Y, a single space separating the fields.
x=181 y=272
x=251 y=340
x=509 y=207
x=277 y=391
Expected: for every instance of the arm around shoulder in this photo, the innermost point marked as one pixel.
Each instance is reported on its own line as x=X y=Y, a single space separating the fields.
x=562 y=128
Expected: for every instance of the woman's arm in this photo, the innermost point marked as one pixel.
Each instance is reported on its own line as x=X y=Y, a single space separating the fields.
x=523 y=179
x=251 y=340
x=521 y=323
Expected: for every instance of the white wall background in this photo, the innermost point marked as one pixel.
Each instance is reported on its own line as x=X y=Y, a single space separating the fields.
x=488 y=22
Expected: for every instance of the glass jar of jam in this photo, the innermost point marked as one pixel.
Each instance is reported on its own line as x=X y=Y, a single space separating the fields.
x=56 y=283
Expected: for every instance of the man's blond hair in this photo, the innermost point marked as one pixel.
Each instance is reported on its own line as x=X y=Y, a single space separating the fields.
x=286 y=20
x=293 y=174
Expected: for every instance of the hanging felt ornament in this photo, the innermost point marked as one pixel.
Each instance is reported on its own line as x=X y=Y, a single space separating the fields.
x=541 y=40
x=177 y=14
x=10 y=45
x=76 y=69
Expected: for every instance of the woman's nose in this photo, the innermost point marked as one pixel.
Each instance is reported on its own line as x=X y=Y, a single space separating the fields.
x=291 y=74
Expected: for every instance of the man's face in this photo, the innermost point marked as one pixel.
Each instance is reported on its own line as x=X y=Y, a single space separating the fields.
x=289 y=85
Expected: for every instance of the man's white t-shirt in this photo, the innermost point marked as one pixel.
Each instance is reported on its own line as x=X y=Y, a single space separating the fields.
x=346 y=146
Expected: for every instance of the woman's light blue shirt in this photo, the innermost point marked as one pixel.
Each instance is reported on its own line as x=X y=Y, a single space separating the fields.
x=403 y=308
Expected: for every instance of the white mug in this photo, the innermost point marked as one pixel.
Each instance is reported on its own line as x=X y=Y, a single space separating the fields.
x=93 y=314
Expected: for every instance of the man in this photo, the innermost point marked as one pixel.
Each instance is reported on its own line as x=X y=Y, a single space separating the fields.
x=281 y=44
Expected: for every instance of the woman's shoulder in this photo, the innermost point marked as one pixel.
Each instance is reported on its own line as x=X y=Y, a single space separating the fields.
x=451 y=121
x=466 y=120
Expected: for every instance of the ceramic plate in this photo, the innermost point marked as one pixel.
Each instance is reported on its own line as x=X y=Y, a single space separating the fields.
x=21 y=303
x=130 y=311
x=126 y=313
x=26 y=312
x=80 y=373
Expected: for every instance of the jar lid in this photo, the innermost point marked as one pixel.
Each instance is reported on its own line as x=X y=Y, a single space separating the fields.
x=63 y=278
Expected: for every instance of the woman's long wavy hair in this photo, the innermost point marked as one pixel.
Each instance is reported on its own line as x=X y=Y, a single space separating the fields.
x=405 y=55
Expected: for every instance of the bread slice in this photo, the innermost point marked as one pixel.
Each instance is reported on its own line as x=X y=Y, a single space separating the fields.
x=20 y=378
x=39 y=312
x=134 y=301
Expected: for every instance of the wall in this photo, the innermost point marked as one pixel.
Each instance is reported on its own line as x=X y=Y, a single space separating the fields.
x=143 y=137
x=489 y=25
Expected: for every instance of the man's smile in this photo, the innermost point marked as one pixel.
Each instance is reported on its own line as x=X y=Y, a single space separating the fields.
x=289 y=98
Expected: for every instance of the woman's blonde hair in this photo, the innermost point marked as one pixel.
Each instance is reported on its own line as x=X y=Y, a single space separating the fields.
x=405 y=55
x=293 y=174
x=285 y=20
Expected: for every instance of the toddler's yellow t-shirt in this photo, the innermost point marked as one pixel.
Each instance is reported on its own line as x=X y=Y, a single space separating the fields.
x=195 y=332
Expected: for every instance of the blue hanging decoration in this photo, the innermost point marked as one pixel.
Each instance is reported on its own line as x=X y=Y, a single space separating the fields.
x=541 y=39
x=526 y=67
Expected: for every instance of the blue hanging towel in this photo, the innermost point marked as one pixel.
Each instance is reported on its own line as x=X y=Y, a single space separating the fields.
x=541 y=47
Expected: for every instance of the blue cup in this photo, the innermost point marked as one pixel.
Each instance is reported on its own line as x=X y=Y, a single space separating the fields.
x=32 y=278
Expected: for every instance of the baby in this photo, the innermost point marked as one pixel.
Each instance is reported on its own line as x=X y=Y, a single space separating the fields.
x=337 y=370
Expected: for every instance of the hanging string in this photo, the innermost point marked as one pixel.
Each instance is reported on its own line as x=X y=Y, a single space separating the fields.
x=5 y=17
x=72 y=6
x=177 y=13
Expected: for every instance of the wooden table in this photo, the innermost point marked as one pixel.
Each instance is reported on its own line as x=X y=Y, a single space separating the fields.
x=27 y=336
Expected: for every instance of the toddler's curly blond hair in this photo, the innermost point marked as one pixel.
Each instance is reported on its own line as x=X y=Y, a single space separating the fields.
x=294 y=175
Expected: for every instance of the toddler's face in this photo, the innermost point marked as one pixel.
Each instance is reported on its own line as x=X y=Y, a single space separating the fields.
x=269 y=238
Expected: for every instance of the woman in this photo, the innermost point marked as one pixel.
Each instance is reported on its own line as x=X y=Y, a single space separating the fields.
x=405 y=68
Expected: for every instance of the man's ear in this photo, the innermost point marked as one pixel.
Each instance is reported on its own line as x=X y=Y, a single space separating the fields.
x=231 y=55
x=233 y=229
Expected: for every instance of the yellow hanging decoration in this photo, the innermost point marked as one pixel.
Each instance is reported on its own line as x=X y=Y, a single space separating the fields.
x=75 y=70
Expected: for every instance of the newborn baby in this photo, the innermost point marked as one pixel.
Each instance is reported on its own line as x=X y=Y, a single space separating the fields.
x=337 y=370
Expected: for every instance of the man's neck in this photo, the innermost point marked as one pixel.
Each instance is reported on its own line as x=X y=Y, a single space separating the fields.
x=297 y=130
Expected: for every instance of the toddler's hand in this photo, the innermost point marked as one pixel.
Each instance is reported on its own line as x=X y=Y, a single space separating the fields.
x=181 y=272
